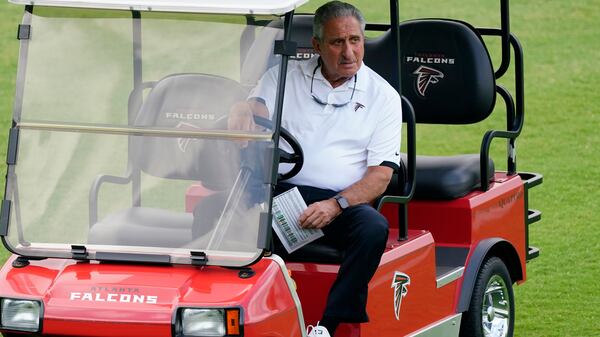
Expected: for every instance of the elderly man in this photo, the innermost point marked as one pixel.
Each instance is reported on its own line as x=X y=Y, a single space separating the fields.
x=348 y=121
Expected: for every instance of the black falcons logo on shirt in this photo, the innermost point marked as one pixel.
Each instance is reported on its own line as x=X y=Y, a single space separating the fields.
x=358 y=106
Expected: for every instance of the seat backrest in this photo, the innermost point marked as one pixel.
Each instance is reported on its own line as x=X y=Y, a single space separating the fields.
x=447 y=73
x=259 y=57
x=302 y=32
x=186 y=102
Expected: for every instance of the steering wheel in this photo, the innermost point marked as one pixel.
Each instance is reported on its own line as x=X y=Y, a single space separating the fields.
x=296 y=157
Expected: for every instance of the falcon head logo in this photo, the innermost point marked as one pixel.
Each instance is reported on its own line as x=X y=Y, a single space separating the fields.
x=399 y=283
x=358 y=106
x=183 y=143
x=425 y=77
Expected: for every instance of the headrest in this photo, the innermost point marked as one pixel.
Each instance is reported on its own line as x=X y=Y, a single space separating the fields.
x=187 y=102
x=260 y=55
x=447 y=73
x=302 y=33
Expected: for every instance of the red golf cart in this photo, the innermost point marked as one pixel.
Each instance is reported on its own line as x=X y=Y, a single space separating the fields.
x=131 y=209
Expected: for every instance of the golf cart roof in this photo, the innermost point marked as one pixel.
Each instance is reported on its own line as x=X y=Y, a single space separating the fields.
x=195 y=6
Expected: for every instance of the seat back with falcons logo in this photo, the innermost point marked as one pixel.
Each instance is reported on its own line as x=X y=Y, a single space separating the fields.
x=447 y=73
x=188 y=102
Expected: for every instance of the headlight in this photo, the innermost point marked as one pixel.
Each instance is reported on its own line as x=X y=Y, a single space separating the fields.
x=203 y=322
x=21 y=315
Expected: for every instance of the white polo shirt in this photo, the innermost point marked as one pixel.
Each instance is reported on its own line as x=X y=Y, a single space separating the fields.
x=339 y=143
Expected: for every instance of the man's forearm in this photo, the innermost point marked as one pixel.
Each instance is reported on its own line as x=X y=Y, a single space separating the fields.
x=364 y=191
x=371 y=186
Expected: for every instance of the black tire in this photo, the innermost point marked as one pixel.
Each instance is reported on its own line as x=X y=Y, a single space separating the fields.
x=492 y=309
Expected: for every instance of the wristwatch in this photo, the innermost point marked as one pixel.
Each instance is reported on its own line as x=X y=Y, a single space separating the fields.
x=342 y=202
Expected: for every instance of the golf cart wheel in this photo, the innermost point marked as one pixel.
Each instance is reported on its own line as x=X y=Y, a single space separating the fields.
x=492 y=308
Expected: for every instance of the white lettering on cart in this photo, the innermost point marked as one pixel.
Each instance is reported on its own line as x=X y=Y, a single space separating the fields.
x=190 y=116
x=111 y=297
x=429 y=60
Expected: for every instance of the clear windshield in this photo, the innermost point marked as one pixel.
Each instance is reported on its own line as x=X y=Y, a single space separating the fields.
x=123 y=144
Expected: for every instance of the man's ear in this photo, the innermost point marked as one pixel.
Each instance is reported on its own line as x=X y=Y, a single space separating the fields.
x=316 y=45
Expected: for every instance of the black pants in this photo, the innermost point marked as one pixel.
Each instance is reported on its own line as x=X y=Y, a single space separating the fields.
x=361 y=232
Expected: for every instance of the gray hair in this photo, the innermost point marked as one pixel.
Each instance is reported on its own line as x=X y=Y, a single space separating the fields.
x=335 y=9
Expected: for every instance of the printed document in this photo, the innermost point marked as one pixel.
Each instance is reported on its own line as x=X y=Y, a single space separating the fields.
x=287 y=208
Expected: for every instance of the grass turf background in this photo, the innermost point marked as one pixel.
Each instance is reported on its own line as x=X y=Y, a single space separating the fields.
x=561 y=41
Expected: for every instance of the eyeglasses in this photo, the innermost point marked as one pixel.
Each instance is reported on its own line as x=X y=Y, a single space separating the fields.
x=318 y=100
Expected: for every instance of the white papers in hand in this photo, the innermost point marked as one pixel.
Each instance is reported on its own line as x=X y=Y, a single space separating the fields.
x=287 y=208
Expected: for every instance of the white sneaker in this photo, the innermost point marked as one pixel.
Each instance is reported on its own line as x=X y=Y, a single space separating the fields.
x=317 y=331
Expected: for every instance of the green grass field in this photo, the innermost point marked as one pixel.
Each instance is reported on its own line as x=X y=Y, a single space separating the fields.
x=561 y=40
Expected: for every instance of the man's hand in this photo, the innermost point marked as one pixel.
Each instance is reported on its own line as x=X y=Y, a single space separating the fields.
x=319 y=214
x=241 y=117
x=364 y=191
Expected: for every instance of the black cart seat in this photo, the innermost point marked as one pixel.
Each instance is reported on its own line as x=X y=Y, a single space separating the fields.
x=207 y=99
x=448 y=77
x=444 y=177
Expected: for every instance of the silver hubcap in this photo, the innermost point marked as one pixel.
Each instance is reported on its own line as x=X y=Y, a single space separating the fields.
x=495 y=312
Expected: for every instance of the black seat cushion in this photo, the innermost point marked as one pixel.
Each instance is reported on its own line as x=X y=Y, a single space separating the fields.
x=445 y=177
x=143 y=226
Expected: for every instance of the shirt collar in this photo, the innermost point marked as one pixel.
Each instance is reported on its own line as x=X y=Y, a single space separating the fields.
x=308 y=68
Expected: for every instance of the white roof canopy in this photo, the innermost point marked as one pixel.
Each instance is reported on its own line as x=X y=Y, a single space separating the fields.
x=196 y=6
